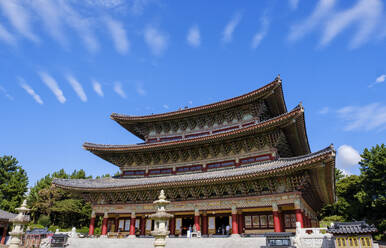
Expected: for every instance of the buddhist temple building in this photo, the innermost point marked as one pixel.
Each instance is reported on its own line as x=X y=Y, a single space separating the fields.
x=241 y=165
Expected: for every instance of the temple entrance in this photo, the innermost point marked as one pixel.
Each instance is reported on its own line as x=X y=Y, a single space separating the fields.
x=187 y=222
x=221 y=225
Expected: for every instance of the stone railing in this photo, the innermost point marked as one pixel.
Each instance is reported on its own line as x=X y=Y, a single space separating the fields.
x=313 y=238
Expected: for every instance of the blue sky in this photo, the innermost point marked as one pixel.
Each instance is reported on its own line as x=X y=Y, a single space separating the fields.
x=65 y=66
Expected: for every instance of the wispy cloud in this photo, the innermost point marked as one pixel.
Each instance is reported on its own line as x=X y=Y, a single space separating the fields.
x=18 y=17
x=293 y=4
x=118 y=89
x=367 y=13
x=51 y=16
x=77 y=87
x=347 y=158
x=259 y=36
x=138 y=6
x=82 y=25
x=321 y=12
x=30 y=91
x=156 y=40
x=7 y=36
x=140 y=89
x=193 y=38
x=324 y=110
x=51 y=83
x=165 y=106
x=230 y=28
x=378 y=80
x=97 y=87
x=367 y=117
x=118 y=34
x=6 y=94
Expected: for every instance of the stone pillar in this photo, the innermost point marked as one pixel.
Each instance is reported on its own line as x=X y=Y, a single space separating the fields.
x=197 y=219
x=143 y=226
x=92 y=224
x=104 y=224
x=172 y=226
x=276 y=218
x=132 y=226
x=235 y=226
x=204 y=223
x=299 y=213
x=240 y=222
x=4 y=234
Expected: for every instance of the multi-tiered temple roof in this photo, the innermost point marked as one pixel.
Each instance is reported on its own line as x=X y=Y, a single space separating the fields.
x=248 y=145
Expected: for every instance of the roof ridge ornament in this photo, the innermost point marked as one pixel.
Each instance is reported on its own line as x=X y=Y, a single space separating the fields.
x=277 y=78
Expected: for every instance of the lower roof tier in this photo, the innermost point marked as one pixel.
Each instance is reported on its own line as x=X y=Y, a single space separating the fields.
x=321 y=163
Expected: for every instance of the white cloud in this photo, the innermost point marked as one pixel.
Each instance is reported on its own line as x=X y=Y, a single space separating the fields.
x=97 y=87
x=367 y=13
x=156 y=40
x=230 y=28
x=51 y=16
x=140 y=89
x=118 y=89
x=367 y=117
x=258 y=37
x=322 y=11
x=51 y=83
x=193 y=38
x=30 y=91
x=6 y=36
x=138 y=6
x=347 y=158
x=378 y=80
x=81 y=24
x=293 y=4
x=165 y=106
x=18 y=17
x=4 y=91
x=324 y=110
x=77 y=87
x=118 y=34
x=105 y=3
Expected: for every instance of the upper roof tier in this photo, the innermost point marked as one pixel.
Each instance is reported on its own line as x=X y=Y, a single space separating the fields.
x=260 y=104
x=286 y=133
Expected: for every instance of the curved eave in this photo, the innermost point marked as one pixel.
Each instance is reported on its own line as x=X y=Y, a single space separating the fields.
x=236 y=174
x=272 y=92
x=288 y=121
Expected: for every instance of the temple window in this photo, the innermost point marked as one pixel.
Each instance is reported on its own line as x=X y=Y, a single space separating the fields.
x=221 y=164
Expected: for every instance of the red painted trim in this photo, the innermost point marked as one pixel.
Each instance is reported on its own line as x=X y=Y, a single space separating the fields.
x=152 y=140
x=190 y=166
x=235 y=224
x=196 y=134
x=104 y=226
x=92 y=226
x=221 y=164
x=134 y=173
x=224 y=129
x=132 y=226
x=277 y=221
x=172 y=138
x=248 y=124
x=160 y=171
x=300 y=217
x=247 y=160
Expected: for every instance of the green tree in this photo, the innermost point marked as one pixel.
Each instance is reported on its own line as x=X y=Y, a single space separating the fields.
x=13 y=183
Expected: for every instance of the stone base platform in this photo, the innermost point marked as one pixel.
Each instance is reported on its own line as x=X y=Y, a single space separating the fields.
x=229 y=242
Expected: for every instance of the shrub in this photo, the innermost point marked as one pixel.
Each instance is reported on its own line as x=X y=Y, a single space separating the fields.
x=83 y=229
x=53 y=228
x=35 y=226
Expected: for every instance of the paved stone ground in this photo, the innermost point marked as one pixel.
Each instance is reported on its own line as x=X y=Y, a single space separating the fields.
x=256 y=242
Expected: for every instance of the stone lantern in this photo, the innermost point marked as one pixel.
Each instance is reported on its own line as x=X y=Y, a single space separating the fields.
x=18 y=225
x=160 y=219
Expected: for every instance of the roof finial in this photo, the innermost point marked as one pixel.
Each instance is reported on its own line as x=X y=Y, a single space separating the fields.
x=277 y=78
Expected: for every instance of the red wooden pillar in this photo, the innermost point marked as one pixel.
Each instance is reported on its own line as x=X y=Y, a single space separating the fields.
x=240 y=222
x=299 y=217
x=4 y=234
x=276 y=221
x=235 y=226
x=104 y=224
x=92 y=225
x=281 y=218
x=143 y=226
x=197 y=219
x=132 y=225
x=204 y=222
x=172 y=226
